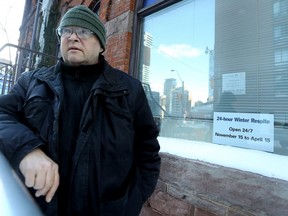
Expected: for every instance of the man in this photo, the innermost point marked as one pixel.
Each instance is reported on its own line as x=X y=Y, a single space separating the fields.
x=80 y=134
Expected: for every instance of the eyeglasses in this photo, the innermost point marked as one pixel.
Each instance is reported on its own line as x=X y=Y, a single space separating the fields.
x=81 y=33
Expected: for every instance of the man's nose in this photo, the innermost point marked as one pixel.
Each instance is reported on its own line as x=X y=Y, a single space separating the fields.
x=73 y=36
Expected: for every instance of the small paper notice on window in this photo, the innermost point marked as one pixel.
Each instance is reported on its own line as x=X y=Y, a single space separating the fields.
x=234 y=82
x=246 y=130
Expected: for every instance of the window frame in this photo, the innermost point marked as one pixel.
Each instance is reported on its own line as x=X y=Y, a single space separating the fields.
x=139 y=14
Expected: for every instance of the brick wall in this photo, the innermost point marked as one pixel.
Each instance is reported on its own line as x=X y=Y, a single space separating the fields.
x=118 y=19
x=111 y=9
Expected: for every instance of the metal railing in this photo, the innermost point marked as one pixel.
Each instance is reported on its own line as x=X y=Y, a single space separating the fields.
x=15 y=200
x=6 y=76
x=25 y=60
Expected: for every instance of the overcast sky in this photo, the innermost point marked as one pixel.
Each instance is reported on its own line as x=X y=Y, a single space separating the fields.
x=11 y=13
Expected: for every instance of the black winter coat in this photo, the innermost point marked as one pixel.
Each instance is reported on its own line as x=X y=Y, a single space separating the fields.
x=117 y=143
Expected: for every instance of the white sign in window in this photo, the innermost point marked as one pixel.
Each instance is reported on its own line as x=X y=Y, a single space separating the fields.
x=246 y=130
x=234 y=83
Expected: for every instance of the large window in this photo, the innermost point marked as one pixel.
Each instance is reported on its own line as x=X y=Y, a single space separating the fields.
x=203 y=62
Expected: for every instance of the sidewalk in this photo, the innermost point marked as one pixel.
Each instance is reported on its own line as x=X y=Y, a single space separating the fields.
x=146 y=211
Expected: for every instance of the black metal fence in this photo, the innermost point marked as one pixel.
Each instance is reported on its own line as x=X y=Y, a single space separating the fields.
x=25 y=60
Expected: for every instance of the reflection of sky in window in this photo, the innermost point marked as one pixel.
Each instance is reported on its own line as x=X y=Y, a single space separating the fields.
x=180 y=35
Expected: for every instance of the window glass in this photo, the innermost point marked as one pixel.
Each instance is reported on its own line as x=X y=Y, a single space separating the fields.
x=280 y=7
x=280 y=32
x=203 y=62
x=150 y=2
x=281 y=57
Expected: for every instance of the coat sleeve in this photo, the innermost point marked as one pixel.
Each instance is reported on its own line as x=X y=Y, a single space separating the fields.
x=148 y=159
x=16 y=138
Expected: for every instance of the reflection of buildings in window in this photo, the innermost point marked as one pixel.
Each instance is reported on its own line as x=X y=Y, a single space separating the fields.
x=211 y=73
x=226 y=103
x=154 y=101
x=169 y=86
x=177 y=101
x=147 y=43
x=162 y=104
x=145 y=73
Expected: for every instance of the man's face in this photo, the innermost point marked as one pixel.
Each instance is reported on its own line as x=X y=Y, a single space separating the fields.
x=79 y=46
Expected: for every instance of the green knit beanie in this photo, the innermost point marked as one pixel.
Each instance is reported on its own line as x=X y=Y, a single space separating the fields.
x=82 y=16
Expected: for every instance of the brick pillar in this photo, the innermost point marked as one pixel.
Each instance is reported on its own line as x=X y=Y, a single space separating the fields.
x=117 y=16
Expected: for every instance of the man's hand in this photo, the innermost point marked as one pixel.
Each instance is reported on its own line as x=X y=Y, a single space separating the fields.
x=41 y=173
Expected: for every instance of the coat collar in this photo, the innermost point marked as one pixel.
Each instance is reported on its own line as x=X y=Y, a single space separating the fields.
x=110 y=79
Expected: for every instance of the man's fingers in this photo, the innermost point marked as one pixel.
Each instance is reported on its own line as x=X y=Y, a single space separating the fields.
x=49 y=179
x=40 y=180
x=30 y=179
x=54 y=187
x=41 y=173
